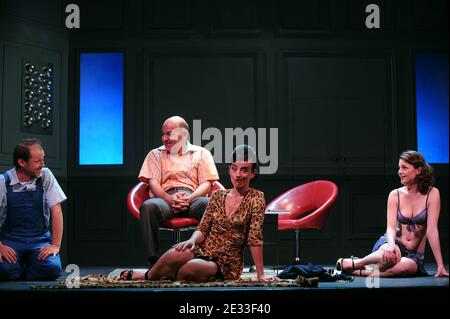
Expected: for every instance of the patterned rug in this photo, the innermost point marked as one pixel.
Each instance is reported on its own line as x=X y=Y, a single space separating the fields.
x=104 y=281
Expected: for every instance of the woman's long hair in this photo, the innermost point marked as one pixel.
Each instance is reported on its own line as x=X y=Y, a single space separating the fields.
x=425 y=178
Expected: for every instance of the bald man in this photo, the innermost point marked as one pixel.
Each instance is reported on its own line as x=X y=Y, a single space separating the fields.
x=179 y=175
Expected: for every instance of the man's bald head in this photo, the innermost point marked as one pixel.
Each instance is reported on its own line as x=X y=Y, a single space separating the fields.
x=176 y=121
x=175 y=133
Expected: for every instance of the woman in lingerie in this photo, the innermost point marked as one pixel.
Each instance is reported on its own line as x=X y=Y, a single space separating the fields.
x=415 y=207
x=233 y=218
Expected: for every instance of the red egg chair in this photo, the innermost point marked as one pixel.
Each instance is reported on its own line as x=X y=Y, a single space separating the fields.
x=141 y=192
x=307 y=205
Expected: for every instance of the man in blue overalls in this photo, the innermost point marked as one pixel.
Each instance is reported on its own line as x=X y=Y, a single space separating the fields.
x=29 y=196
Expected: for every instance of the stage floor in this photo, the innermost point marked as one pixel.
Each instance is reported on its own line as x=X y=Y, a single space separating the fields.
x=356 y=283
x=231 y=302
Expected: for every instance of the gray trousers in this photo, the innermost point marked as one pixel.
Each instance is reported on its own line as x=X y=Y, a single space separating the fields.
x=156 y=210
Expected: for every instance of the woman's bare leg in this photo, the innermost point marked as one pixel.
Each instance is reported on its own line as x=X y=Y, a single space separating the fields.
x=375 y=258
x=169 y=263
x=197 y=270
x=405 y=267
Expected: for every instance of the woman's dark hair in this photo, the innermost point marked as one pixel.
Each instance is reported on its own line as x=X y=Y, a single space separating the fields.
x=425 y=178
x=22 y=150
x=246 y=153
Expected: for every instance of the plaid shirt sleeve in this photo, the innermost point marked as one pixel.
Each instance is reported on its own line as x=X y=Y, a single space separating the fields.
x=151 y=168
x=207 y=169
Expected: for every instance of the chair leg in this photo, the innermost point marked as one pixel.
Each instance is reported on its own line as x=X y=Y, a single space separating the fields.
x=297 y=246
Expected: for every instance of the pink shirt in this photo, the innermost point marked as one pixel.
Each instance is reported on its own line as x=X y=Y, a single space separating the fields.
x=189 y=170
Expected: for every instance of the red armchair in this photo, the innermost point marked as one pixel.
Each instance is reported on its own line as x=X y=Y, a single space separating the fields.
x=308 y=206
x=139 y=193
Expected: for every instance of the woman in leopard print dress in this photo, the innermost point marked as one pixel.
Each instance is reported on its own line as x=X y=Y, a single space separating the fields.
x=232 y=219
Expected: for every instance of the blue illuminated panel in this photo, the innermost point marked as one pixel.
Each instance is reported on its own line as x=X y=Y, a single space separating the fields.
x=432 y=106
x=101 y=109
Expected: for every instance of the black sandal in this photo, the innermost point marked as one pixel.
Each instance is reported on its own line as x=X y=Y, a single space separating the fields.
x=146 y=275
x=129 y=273
x=340 y=265
x=353 y=263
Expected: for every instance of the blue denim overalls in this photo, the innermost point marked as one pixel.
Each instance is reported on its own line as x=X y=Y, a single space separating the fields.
x=26 y=231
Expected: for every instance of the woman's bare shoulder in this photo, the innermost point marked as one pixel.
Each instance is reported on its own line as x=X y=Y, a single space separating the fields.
x=434 y=192
x=394 y=192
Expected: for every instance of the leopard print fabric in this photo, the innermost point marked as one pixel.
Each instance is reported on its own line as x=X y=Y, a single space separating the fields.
x=225 y=237
x=104 y=281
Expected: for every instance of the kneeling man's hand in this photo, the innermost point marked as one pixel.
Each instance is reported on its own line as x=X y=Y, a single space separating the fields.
x=47 y=251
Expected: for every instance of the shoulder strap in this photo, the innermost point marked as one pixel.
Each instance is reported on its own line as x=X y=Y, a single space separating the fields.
x=398 y=200
x=7 y=179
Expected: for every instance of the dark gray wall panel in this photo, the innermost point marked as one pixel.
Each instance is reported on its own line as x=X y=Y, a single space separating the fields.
x=341 y=103
x=234 y=14
x=167 y=15
x=222 y=89
x=101 y=14
x=43 y=12
x=305 y=16
x=318 y=117
x=367 y=213
x=11 y=132
x=430 y=15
